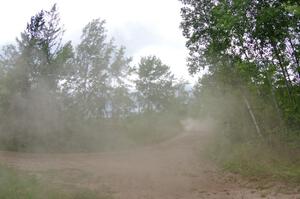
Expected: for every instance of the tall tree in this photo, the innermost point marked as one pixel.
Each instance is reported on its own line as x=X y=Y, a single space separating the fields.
x=99 y=68
x=41 y=50
x=255 y=42
x=155 y=84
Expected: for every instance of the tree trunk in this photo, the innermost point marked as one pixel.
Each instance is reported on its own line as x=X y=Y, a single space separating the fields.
x=258 y=131
x=285 y=75
x=295 y=55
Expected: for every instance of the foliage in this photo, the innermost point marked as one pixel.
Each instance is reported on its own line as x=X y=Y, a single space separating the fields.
x=155 y=84
x=251 y=47
x=251 y=52
x=18 y=185
x=56 y=96
x=98 y=74
x=256 y=160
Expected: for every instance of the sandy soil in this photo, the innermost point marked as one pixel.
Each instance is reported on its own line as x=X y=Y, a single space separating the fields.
x=175 y=169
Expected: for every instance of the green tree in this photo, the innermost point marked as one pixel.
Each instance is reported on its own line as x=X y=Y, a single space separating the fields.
x=32 y=71
x=41 y=51
x=155 y=84
x=252 y=44
x=99 y=67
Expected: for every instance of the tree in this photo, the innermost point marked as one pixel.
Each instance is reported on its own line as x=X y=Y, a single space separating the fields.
x=253 y=44
x=41 y=51
x=31 y=74
x=99 y=67
x=155 y=84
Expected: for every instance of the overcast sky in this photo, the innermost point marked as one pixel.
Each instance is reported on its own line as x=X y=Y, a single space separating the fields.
x=145 y=27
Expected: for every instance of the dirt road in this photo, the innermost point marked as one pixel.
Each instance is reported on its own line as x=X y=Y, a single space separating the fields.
x=172 y=170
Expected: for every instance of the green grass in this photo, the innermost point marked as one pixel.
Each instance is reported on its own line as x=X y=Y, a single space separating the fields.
x=256 y=159
x=98 y=135
x=19 y=185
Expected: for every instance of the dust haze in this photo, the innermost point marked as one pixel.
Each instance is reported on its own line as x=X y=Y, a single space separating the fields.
x=83 y=121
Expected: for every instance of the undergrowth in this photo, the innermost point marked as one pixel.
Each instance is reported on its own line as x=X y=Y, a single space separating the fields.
x=256 y=158
x=19 y=185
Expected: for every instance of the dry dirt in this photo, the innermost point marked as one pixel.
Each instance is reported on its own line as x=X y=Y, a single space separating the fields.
x=172 y=170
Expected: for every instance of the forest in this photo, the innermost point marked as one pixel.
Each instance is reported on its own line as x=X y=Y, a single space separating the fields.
x=57 y=96
x=60 y=96
x=53 y=91
x=251 y=50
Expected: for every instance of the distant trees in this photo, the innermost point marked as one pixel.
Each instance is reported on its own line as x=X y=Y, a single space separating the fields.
x=155 y=84
x=53 y=93
x=98 y=68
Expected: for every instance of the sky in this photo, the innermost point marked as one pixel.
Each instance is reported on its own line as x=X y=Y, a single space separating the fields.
x=144 y=27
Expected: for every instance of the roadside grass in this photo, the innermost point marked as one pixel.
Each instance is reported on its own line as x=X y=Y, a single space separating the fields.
x=152 y=128
x=256 y=159
x=99 y=135
x=16 y=184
